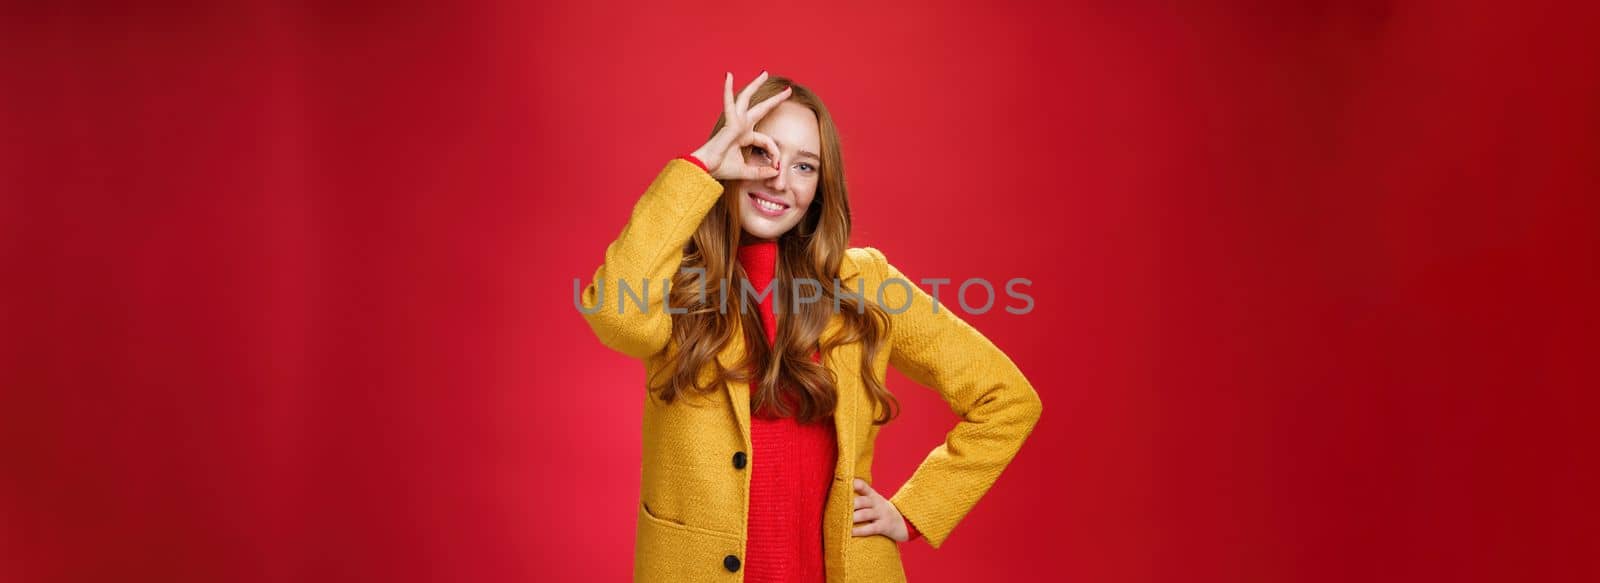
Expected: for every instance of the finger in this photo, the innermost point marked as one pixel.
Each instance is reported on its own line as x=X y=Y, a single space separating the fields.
x=766 y=142
x=727 y=95
x=868 y=529
x=863 y=487
x=749 y=90
x=765 y=107
x=865 y=515
x=772 y=149
x=863 y=502
x=757 y=172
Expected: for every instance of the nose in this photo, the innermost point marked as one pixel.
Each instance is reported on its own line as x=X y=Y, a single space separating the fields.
x=779 y=182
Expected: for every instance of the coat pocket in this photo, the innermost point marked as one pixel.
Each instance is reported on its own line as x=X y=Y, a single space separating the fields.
x=874 y=558
x=666 y=550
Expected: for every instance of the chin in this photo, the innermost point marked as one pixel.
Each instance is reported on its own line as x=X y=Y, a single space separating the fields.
x=762 y=227
x=759 y=232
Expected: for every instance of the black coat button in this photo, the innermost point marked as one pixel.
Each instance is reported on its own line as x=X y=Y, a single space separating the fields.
x=739 y=460
x=731 y=563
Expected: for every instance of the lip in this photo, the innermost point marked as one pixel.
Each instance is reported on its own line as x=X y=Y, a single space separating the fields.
x=769 y=198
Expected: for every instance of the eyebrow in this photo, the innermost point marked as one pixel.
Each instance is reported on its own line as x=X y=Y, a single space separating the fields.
x=803 y=153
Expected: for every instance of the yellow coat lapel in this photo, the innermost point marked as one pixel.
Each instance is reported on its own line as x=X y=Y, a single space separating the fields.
x=738 y=392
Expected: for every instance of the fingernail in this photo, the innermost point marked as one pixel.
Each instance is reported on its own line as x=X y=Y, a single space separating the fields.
x=763 y=71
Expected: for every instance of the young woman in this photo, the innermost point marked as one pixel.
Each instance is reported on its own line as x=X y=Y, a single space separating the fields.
x=761 y=408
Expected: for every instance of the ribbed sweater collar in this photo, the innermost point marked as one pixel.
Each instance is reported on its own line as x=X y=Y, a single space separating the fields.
x=760 y=261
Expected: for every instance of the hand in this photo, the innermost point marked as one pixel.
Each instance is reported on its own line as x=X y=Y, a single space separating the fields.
x=724 y=154
x=876 y=515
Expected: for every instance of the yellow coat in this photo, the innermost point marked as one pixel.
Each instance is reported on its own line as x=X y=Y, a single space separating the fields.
x=693 y=500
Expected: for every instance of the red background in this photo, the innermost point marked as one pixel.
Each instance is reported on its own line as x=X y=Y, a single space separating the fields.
x=289 y=286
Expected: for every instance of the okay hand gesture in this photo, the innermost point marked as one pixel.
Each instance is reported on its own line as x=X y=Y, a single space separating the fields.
x=723 y=155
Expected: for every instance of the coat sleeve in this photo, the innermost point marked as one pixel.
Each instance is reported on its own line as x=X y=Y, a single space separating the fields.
x=643 y=257
x=997 y=406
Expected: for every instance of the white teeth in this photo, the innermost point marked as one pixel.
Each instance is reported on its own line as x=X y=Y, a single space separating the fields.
x=767 y=204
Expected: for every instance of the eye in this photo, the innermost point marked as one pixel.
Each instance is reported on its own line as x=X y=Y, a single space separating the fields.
x=758 y=152
x=804 y=167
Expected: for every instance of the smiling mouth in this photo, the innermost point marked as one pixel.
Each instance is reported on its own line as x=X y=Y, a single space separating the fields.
x=767 y=206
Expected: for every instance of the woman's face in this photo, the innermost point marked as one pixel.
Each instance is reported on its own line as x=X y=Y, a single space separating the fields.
x=769 y=208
